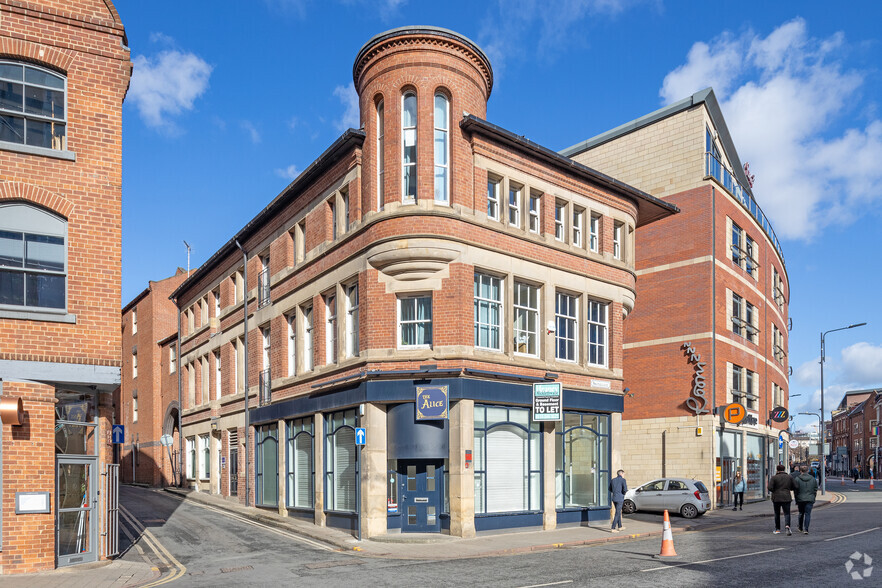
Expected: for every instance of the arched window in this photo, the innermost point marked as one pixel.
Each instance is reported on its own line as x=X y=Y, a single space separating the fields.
x=442 y=150
x=33 y=257
x=300 y=463
x=341 y=467
x=409 y=147
x=32 y=106
x=266 y=467
x=381 y=155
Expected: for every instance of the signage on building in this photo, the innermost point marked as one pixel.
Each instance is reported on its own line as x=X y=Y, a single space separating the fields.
x=793 y=444
x=734 y=413
x=431 y=403
x=697 y=401
x=779 y=414
x=600 y=384
x=751 y=420
x=547 y=402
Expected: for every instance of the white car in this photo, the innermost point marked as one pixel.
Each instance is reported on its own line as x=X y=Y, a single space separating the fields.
x=690 y=498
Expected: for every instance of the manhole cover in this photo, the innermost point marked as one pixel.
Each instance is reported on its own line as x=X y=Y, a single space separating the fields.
x=239 y=569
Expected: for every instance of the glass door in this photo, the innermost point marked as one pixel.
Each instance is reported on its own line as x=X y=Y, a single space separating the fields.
x=77 y=510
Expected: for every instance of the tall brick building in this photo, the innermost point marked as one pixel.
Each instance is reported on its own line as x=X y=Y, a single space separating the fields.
x=855 y=439
x=711 y=324
x=416 y=281
x=147 y=321
x=64 y=72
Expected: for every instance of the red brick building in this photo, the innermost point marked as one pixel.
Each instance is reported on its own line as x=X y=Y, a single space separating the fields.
x=711 y=324
x=855 y=433
x=403 y=295
x=147 y=321
x=64 y=71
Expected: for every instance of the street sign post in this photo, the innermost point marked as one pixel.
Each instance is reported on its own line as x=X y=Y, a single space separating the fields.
x=360 y=436
x=118 y=434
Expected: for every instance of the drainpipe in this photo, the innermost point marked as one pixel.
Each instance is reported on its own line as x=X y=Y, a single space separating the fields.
x=714 y=334
x=180 y=402
x=245 y=375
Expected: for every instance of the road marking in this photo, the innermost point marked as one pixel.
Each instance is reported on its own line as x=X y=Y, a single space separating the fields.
x=853 y=534
x=161 y=552
x=694 y=563
x=549 y=584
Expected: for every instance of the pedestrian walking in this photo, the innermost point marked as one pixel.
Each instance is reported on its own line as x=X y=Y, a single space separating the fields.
x=780 y=487
x=618 y=487
x=855 y=473
x=738 y=488
x=806 y=491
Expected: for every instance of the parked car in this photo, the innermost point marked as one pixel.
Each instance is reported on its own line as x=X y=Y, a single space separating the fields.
x=690 y=498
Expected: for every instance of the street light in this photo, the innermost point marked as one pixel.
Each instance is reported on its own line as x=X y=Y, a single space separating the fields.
x=822 y=427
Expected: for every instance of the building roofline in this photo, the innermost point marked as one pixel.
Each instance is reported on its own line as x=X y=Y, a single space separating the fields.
x=167 y=339
x=350 y=139
x=706 y=97
x=649 y=207
x=136 y=300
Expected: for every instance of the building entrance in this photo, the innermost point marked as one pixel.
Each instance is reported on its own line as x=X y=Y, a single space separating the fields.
x=77 y=508
x=420 y=488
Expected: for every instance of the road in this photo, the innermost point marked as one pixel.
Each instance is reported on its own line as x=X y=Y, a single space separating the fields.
x=214 y=548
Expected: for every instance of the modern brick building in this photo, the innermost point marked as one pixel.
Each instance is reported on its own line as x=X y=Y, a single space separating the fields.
x=711 y=324
x=855 y=432
x=64 y=72
x=416 y=281
x=148 y=320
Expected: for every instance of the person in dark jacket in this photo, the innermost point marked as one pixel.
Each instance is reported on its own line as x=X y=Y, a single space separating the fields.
x=806 y=491
x=855 y=473
x=618 y=487
x=780 y=487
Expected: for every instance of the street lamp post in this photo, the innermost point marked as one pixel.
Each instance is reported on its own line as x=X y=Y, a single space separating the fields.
x=822 y=427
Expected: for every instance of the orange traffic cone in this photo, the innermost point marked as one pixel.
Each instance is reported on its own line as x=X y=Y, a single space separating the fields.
x=667 y=548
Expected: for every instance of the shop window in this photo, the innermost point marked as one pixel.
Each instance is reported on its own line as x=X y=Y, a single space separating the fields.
x=566 y=312
x=409 y=147
x=597 y=333
x=33 y=256
x=442 y=150
x=341 y=467
x=415 y=321
x=507 y=445
x=266 y=465
x=526 y=319
x=32 y=107
x=488 y=312
x=582 y=461
x=300 y=470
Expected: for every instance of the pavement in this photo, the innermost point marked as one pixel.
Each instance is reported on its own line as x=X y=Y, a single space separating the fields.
x=120 y=573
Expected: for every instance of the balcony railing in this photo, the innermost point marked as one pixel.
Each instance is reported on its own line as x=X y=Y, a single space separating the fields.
x=263 y=288
x=265 y=393
x=713 y=167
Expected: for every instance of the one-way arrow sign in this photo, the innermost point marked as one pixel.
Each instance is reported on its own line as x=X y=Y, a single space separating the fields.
x=360 y=436
x=118 y=434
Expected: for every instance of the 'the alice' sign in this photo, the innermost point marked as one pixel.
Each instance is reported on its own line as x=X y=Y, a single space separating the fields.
x=697 y=401
x=431 y=403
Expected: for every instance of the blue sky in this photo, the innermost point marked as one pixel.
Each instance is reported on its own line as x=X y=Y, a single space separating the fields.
x=231 y=99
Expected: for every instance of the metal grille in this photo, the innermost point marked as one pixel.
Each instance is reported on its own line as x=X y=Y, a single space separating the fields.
x=111 y=503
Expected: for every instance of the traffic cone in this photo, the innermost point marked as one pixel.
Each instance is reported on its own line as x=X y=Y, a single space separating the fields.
x=842 y=477
x=667 y=546
x=872 y=487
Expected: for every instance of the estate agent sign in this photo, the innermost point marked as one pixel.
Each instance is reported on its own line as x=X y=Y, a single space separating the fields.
x=547 y=402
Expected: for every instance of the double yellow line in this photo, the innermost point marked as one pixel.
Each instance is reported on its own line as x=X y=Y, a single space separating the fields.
x=167 y=559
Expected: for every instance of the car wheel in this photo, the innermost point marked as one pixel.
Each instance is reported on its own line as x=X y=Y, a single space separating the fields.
x=629 y=507
x=689 y=511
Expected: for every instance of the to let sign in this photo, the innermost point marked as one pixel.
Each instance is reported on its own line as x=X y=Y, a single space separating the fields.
x=547 y=402
x=431 y=403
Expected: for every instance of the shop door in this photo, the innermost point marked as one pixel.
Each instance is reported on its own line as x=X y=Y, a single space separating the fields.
x=77 y=510
x=727 y=474
x=234 y=471
x=420 y=491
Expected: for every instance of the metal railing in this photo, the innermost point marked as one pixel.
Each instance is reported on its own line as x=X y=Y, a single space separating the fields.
x=713 y=167
x=111 y=505
x=265 y=395
x=263 y=288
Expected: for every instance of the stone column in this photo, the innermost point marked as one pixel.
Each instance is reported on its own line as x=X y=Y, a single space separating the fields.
x=549 y=507
x=318 y=451
x=462 y=478
x=373 y=472
x=615 y=461
x=283 y=477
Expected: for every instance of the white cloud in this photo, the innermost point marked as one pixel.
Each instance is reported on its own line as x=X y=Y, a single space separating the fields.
x=809 y=373
x=250 y=130
x=781 y=95
x=166 y=85
x=289 y=173
x=162 y=38
x=862 y=364
x=349 y=99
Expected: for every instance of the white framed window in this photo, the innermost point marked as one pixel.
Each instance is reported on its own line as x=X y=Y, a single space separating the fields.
x=493 y=187
x=488 y=312
x=330 y=328
x=33 y=254
x=333 y=210
x=33 y=107
x=617 y=240
x=597 y=332
x=217 y=303
x=526 y=319
x=514 y=205
x=381 y=154
x=578 y=216
x=737 y=323
x=292 y=344
x=442 y=150
x=217 y=375
x=205 y=455
x=559 y=221
x=594 y=233
x=265 y=348
x=415 y=321
x=352 y=320
x=134 y=365
x=134 y=321
x=566 y=313
x=535 y=220
x=191 y=458
x=134 y=409
x=308 y=355
x=409 y=147
x=344 y=205
x=172 y=360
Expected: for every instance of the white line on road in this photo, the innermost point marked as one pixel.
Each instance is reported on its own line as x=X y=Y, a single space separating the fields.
x=853 y=534
x=693 y=563
x=549 y=584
